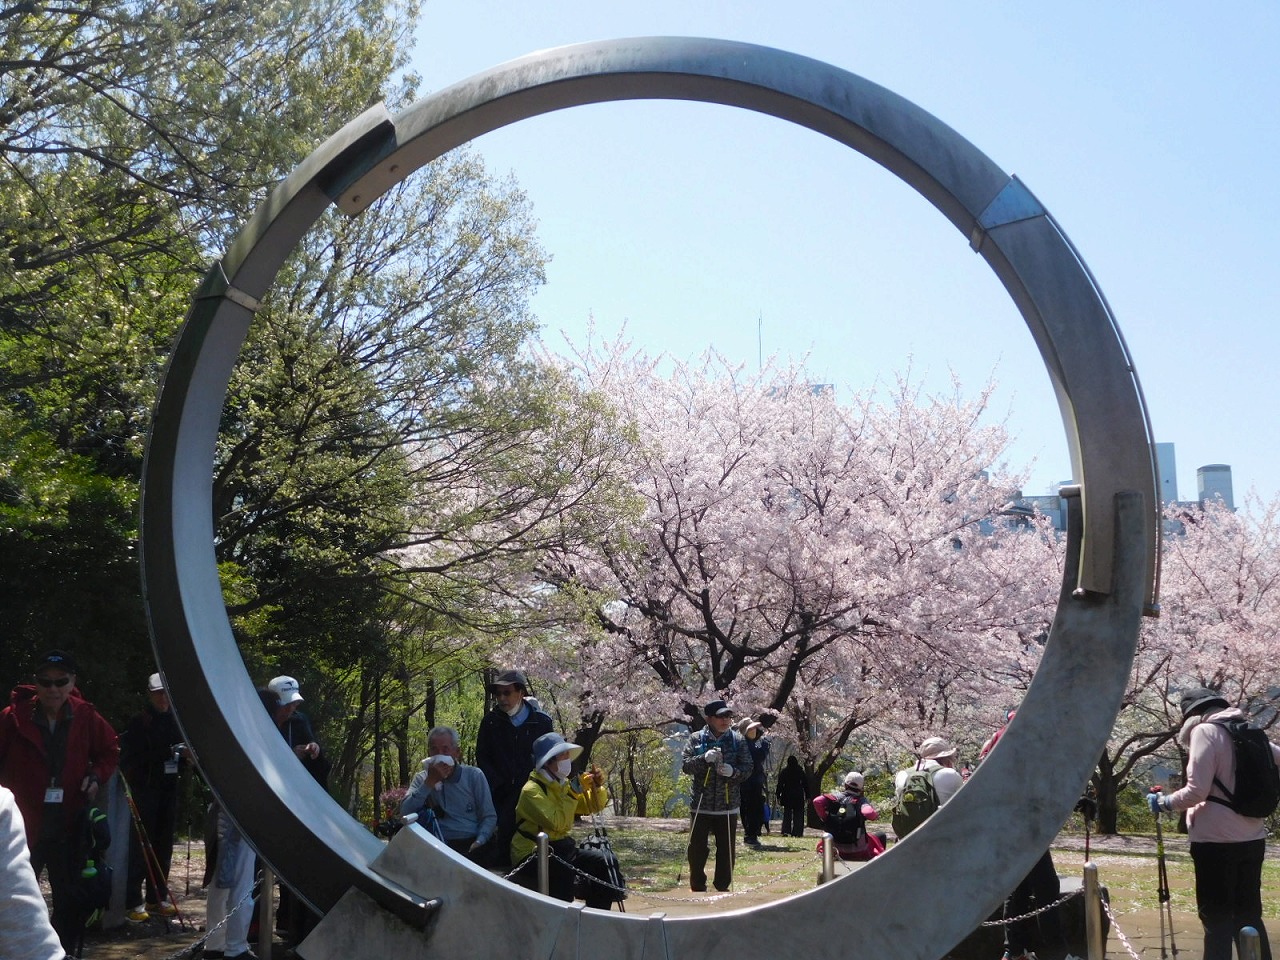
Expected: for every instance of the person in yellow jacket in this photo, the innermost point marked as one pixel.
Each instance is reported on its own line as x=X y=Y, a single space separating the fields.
x=549 y=800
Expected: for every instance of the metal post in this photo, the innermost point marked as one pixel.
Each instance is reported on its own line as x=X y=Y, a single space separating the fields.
x=266 y=912
x=544 y=863
x=1250 y=944
x=1095 y=946
x=828 y=858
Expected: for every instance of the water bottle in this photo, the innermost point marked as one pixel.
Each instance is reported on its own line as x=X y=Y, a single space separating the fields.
x=89 y=870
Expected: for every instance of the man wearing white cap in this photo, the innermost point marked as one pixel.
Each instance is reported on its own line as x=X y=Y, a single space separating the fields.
x=151 y=757
x=921 y=789
x=293 y=916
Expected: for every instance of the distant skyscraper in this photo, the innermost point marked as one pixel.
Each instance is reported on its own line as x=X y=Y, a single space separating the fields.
x=1168 y=466
x=1214 y=480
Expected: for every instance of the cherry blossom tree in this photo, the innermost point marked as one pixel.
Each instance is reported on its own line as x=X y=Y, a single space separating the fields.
x=840 y=565
x=1219 y=615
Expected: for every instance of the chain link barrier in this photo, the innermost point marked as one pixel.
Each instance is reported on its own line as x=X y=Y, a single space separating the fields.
x=660 y=897
x=1115 y=928
x=1005 y=921
x=192 y=950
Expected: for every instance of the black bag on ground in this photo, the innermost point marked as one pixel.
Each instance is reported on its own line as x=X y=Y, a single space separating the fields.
x=596 y=857
x=1257 y=792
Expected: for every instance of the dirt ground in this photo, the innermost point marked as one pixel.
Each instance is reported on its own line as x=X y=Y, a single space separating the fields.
x=1126 y=865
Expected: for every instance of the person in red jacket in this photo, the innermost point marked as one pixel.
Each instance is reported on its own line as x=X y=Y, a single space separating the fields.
x=55 y=752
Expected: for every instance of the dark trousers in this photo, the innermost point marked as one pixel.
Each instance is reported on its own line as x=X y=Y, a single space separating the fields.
x=1039 y=888
x=158 y=815
x=1229 y=894
x=752 y=807
x=566 y=859
x=725 y=829
x=793 y=820
x=53 y=853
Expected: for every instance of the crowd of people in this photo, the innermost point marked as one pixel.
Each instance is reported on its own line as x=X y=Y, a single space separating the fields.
x=56 y=752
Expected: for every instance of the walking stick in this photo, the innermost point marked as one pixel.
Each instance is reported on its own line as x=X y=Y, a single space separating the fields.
x=150 y=859
x=615 y=868
x=1164 y=905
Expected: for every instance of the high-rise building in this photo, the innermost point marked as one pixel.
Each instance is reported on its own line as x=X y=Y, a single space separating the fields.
x=1214 y=480
x=1167 y=464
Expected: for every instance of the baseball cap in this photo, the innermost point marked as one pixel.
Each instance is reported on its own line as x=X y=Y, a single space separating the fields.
x=56 y=658
x=285 y=689
x=154 y=683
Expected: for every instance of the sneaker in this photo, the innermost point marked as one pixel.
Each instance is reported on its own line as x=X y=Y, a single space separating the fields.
x=164 y=909
x=138 y=915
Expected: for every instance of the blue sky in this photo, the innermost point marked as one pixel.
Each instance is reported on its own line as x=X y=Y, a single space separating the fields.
x=1150 y=131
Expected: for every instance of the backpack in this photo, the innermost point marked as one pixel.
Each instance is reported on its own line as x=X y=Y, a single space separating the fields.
x=93 y=880
x=1257 y=792
x=844 y=820
x=916 y=802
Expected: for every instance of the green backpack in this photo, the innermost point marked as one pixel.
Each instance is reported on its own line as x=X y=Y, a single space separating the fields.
x=916 y=802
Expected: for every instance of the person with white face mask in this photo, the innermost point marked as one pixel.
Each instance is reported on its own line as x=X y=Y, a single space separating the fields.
x=549 y=801
x=504 y=746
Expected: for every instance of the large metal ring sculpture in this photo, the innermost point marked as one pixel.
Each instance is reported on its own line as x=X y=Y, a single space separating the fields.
x=967 y=857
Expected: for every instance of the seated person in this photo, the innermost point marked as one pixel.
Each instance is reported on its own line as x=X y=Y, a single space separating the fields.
x=844 y=814
x=548 y=803
x=458 y=797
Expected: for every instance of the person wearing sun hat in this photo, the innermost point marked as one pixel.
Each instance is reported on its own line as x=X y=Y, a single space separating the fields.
x=753 y=788
x=504 y=741
x=1227 y=848
x=55 y=751
x=549 y=801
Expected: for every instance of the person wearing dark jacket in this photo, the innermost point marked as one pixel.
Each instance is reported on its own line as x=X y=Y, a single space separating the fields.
x=151 y=756
x=792 y=796
x=753 y=788
x=718 y=761
x=504 y=748
x=293 y=917
x=55 y=751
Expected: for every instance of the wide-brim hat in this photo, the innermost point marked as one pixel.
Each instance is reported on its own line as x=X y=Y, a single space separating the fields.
x=936 y=748
x=552 y=745
x=1199 y=699
x=510 y=678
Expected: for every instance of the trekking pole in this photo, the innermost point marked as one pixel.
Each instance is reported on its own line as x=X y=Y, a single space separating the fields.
x=597 y=822
x=1164 y=906
x=150 y=859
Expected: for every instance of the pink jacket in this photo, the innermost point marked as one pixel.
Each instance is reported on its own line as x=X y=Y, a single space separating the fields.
x=1212 y=755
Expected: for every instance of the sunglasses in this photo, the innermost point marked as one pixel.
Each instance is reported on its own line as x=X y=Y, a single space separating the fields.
x=51 y=682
